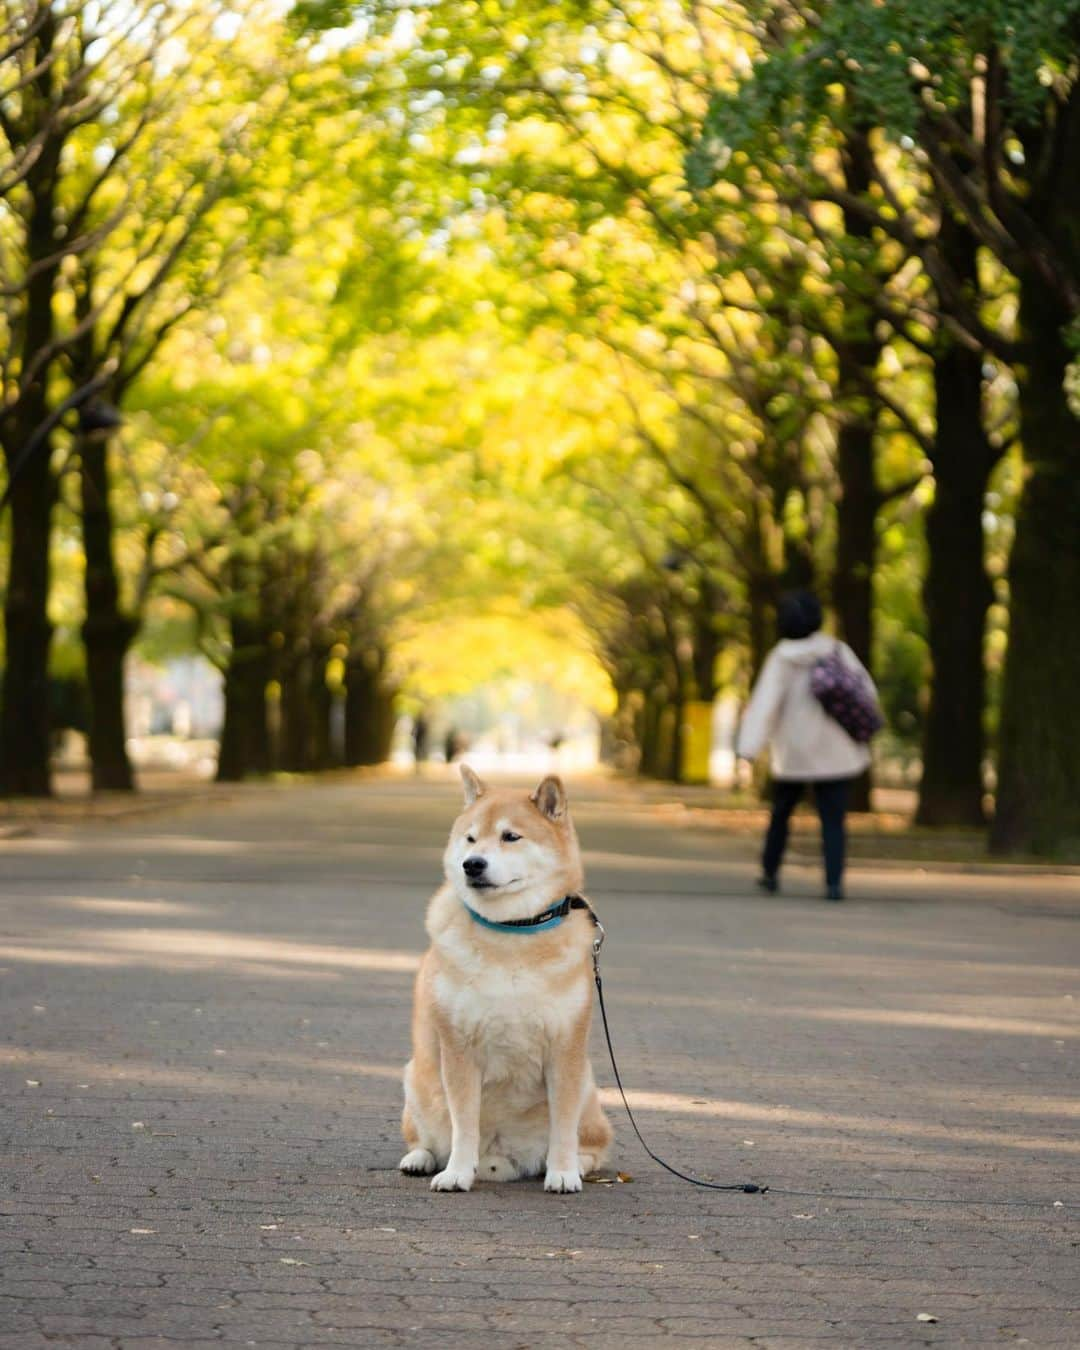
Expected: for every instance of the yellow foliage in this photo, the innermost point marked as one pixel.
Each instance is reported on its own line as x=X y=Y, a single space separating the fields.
x=454 y=653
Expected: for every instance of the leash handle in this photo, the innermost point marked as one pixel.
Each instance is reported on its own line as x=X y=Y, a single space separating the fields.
x=747 y=1187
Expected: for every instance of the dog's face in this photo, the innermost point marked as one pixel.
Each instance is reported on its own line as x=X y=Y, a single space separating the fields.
x=507 y=843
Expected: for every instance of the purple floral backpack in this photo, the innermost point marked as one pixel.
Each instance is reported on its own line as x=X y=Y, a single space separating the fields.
x=846 y=697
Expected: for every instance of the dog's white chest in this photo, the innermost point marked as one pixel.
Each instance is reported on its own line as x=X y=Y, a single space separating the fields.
x=509 y=1017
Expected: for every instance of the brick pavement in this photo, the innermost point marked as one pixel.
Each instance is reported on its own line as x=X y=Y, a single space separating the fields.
x=205 y=1017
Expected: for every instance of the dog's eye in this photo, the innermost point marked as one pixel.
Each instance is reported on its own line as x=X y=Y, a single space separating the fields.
x=470 y=838
x=509 y=837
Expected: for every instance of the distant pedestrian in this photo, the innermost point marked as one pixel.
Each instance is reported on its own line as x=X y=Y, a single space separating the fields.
x=419 y=739
x=809 y=747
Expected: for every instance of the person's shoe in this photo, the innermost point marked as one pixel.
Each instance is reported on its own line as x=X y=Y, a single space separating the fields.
x=834 y=892
x=769 y=884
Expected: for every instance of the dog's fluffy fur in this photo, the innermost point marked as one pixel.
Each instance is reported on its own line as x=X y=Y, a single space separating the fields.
x=500 y=1085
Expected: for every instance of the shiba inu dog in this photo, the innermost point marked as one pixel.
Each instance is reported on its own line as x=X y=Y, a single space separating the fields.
x=500 y=1085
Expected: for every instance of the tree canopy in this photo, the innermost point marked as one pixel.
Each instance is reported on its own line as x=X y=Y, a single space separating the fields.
x=374 y=350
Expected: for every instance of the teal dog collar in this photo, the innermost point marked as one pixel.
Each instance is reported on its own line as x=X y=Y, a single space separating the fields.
x=550 y=918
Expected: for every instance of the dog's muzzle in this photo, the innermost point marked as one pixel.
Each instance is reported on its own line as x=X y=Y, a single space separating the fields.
x=475 y=868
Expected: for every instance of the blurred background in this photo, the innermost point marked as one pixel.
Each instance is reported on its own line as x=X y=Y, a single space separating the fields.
x=385 y=381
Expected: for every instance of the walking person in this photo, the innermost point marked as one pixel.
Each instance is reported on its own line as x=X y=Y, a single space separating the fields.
x=419 y=740
x=808 y=746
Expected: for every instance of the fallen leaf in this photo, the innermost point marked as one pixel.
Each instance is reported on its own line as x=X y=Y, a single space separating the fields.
x=33 y=1082
x=623 y=1176
x=291 y=1261
x=926 y=1317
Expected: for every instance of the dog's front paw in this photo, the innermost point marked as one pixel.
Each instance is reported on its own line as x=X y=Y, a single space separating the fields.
x=454 y=1179
x=419 y=1162
x=562 y=1181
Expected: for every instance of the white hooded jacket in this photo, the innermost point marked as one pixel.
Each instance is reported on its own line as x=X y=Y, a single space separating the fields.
x=806 y=743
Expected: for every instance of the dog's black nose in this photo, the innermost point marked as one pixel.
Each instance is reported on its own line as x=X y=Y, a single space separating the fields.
x=474 y=867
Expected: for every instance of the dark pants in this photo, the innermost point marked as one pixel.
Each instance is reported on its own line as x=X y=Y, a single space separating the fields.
x=830 y=798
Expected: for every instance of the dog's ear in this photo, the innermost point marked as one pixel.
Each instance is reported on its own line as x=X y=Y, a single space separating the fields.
x=473 y=786
x=550 y=798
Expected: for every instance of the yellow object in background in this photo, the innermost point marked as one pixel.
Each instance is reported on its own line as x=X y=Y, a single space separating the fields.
x=696 y=733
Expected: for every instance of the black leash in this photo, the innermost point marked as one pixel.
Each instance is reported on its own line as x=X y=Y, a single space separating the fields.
x=747 y=1187
x=754 y=1187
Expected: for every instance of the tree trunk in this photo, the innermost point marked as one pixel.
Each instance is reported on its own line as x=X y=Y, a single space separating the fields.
x=107 y=632
x=321 y=702
x=358 y=713
x=1038 y=795
x=106 y=649
x=244 y=747
x=956 y=592
x=369 y=710
x=674 y=755
x=667 y=736
x=363 y=734
x=24 y=719
x=260 y=744
x=856 y=542
x=857 y=357
x=384 y=721
x=706 y=642
x=650 y=737
x=233 y=760
x=296 y=714
x=759 y=598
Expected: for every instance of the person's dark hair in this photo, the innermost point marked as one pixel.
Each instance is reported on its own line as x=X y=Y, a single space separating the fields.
x=798 y=614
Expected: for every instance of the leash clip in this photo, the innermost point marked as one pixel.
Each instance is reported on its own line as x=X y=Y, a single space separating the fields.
x=597 y=943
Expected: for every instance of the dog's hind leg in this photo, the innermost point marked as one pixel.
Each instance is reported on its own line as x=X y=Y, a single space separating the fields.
x=418 y=1162
x=428 y=1147
x=594 y=1135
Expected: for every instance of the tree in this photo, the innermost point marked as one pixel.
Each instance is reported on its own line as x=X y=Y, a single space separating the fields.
x=577 y=124
x=985 y=106
x=118 y=158
x=43 y=107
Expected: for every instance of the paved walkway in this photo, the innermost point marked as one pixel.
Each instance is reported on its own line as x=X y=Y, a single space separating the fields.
x=205 y=1014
